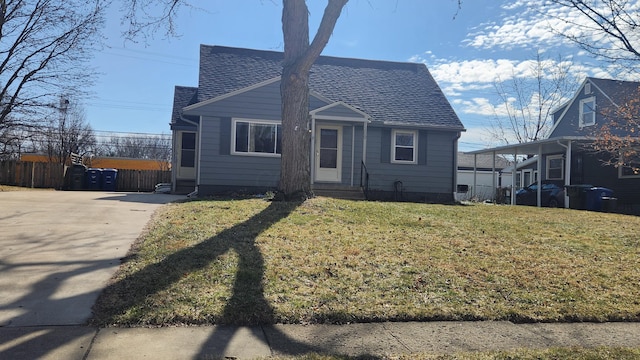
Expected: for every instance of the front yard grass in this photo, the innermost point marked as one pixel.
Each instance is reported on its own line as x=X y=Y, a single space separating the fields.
x=250 y=261
x=600 y=353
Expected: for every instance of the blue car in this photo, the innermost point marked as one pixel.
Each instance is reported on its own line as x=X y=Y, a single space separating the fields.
x=552 y=194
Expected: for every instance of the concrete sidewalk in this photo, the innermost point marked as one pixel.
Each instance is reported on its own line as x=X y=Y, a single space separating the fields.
x=375 y=340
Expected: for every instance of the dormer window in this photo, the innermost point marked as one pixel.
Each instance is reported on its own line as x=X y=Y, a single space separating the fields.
x=587 y=112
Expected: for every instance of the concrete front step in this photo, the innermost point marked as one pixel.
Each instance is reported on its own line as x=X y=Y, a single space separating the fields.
x=184 y=187
x=338 y=191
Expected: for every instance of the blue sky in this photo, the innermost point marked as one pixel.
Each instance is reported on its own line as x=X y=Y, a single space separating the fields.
x=465 y=49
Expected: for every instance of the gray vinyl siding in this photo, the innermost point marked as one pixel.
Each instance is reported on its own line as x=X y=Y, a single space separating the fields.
x=218 y=169
x=433 y=173
x=262 y=103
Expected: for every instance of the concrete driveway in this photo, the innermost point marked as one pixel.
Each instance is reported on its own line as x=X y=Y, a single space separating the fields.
x=58 y=249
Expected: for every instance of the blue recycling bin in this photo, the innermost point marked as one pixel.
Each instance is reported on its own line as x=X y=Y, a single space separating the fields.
x=109 y=179
x=594 y=197
x=94 y=179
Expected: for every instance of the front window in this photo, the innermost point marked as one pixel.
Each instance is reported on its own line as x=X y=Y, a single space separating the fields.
x=404 y=147
x=257 y=137
x=588 y=112
x=555 y=167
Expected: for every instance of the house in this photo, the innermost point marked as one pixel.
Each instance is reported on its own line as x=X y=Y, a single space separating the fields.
x=385 y=127
x=479 y=175
x=566 y=155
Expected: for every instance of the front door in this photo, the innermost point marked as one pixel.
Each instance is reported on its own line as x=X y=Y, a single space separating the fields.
x=187 y=155
x=328 y=153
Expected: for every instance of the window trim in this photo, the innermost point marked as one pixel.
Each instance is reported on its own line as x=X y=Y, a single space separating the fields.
x=234 y=121
x=581 y=112
x=414 y=147
x=621 y=168
x=562 y=168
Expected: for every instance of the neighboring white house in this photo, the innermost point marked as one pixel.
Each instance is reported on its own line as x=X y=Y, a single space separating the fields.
x=488 y=176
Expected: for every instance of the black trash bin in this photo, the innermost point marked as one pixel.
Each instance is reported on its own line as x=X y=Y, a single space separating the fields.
x=76 y=177
x=594 y=197
x=609 y=204
x=577 y=195
x=94 y=179
x=109 y=179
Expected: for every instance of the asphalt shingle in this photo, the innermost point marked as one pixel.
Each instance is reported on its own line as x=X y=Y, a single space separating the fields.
x=387 y=91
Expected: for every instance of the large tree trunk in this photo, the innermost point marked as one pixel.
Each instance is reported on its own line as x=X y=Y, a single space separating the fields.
x=299 y=55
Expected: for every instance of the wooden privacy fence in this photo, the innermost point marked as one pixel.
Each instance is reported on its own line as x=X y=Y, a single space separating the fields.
x=141 y=180
x=31 y=174
x=50 y=175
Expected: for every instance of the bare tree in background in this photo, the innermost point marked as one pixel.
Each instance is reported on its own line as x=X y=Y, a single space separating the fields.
x=137 y=146
x=608 y=29
x=526 y=101
x=67 y=132
x=44 y=47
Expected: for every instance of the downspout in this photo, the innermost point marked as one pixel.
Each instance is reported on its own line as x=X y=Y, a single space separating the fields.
x=455 y=165
x=364 y=140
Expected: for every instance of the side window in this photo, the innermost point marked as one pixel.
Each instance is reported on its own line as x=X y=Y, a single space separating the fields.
x=404 y=147
x=555 y=167
x=188 y=150
x=587 y=112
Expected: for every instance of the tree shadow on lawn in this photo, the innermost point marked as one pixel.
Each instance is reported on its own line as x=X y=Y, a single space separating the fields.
x=247 y=305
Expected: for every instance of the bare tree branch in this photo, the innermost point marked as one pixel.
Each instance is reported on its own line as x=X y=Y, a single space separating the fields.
x=526 y=101
x=44 y=47
x=607 y=29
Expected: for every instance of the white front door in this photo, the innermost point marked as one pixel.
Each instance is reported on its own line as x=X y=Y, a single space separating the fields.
x=328 y=153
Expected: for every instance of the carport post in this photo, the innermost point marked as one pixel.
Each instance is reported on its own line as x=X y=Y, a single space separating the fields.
x=539 y=190
x=493 y=175
x=475 y=173
x=513 y=176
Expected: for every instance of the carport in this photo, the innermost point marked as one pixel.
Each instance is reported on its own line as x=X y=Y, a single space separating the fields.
x=539 y=148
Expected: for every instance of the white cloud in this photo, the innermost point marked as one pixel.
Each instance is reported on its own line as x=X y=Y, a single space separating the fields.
x=534 y=24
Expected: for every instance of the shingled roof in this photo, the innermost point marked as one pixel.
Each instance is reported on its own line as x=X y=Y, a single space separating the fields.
x=391 y=92
x=182 y=96
x=617 y=90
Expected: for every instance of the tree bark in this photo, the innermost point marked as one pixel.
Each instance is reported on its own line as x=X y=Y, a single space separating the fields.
x=299 y=56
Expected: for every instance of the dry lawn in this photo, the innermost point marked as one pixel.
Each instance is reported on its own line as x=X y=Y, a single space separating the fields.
x=336 y=261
